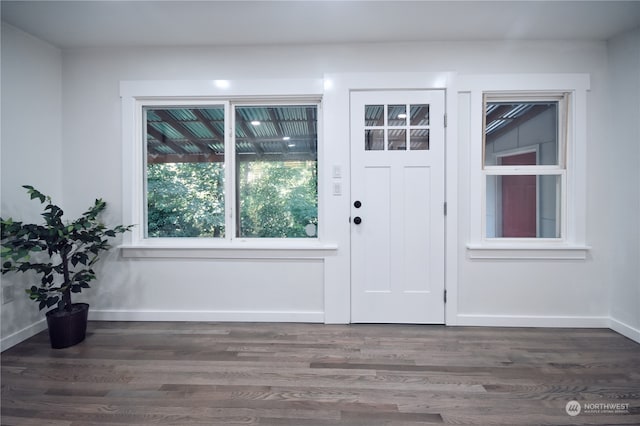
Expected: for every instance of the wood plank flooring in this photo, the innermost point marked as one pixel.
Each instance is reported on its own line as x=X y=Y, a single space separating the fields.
x=134 y=373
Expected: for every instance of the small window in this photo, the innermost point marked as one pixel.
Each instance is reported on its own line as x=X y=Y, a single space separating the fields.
x=524 y=167
x=190 y=191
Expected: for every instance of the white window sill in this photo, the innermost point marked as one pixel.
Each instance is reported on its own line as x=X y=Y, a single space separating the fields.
x=527 y=251
x=239 y=249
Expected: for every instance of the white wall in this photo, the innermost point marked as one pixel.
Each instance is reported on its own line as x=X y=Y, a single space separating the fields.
x=92 y=141
x=31 y=151
x=494 y=292
x=623 y=197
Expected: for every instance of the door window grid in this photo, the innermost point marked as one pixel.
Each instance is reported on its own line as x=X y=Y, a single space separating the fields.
x=388 y=127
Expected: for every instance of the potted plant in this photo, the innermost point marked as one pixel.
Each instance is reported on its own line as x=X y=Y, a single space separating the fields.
x=62 y=253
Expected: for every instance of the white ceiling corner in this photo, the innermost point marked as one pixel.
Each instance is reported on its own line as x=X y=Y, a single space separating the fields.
x=73 y=24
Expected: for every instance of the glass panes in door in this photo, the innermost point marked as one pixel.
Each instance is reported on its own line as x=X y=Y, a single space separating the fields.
x=396 y=127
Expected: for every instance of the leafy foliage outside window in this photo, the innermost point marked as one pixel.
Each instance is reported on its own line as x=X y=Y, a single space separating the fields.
x=278 y=199
x=185 y=200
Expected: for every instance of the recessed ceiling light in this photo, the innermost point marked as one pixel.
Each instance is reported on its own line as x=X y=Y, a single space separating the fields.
x=255 y=123
x=291 y=145
x=402 y=115
x=286 y=138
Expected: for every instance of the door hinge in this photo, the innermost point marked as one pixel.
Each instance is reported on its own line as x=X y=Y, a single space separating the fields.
x=445 y=296
x=445 y=120
x=445 y=208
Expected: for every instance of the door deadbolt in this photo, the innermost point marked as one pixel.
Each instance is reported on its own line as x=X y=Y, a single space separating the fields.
x=357 y=204
x=357 y=220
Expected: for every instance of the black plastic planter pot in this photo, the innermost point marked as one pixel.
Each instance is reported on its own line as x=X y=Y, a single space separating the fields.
x=67 y=328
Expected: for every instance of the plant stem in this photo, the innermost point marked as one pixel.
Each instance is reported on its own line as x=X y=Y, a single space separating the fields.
x=66 y=294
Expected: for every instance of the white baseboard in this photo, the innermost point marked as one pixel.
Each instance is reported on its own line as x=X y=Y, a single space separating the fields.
x=318 y=317
x=531 y=321
x=624 y=329
x=22 y=335
x=207 y=316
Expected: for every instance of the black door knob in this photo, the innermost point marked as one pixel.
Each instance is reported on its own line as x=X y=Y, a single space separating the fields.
x=357 y=220
x=357 y=204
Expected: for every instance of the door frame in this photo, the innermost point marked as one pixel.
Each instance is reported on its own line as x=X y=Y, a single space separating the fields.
x=336 y=103
x=399 y=292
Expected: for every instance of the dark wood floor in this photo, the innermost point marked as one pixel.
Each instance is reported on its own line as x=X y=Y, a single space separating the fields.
x=312 y=374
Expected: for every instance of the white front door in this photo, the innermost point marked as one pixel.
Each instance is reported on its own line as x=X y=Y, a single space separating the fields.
x=397 y=206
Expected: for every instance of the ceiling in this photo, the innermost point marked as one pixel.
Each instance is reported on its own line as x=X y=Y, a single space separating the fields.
x=76 y=24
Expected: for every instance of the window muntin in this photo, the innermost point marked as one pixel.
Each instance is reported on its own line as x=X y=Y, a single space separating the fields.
x=189 y=192
x=524 y=141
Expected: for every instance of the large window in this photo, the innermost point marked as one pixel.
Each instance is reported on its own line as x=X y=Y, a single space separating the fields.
x=229 y=170
x=524 y=166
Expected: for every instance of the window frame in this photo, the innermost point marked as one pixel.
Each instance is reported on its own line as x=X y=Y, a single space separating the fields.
x=137 y=94
x=560 y=169
x=180 y=103
x=231 y=163
x=572 y=245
